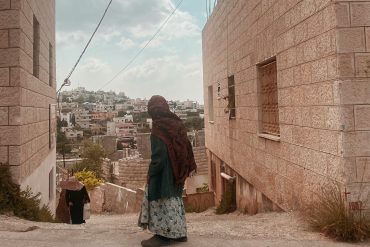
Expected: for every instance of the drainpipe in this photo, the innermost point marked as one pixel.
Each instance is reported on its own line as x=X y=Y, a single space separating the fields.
x=228 y=177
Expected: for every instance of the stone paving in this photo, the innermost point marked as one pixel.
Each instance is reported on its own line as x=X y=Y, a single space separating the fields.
x=273 y=230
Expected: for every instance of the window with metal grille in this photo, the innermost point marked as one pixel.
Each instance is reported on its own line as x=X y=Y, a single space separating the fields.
x=268 y=98
x=51 y=67
x=231 y=97
x=36 y=48
x=213 y=175
x=51 y=184
x=210 y=104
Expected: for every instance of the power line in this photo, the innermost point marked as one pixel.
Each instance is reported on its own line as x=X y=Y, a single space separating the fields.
x=145 y=46
x=207 y=9
x=66 y=81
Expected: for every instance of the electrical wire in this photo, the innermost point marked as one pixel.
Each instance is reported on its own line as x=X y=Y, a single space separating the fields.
x=144 y=47
x=207 y=9
x=66 y=81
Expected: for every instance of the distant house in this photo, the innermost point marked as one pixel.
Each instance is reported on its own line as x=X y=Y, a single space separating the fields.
x=72 y=134
x=66 y=117
x=97 y=129
x=111 y=129
x=83 y=118
x=126 y=130
x=125 y=119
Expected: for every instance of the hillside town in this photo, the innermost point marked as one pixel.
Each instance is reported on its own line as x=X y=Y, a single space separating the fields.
x=87 y=114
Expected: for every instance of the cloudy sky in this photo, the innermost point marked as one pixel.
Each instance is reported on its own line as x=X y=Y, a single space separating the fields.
x=170 y=66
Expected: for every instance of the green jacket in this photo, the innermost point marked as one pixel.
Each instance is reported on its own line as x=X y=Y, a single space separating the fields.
x=162 y=181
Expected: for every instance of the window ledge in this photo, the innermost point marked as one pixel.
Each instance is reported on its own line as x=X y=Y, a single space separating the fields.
x=269 y=137
x=211 y=122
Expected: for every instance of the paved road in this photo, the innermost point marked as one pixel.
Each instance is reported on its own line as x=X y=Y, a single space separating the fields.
x=86 y=238
x=118 y=231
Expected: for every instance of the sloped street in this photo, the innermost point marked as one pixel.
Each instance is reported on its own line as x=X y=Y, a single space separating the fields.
x=206 y=229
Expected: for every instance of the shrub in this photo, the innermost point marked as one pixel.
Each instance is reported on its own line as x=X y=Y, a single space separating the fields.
x=87 y=166
x=331 y=215
x=227 y=204
x=9 y=191
x=23 y=204
x=89 y=179
x=203 y=189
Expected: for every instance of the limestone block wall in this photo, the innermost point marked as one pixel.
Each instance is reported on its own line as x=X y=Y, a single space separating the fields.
x=320 y=47
x=200 y=157
x=353 y=48
x=115 y=199
x=25 y=142
x=143 y=145
x=132 y=173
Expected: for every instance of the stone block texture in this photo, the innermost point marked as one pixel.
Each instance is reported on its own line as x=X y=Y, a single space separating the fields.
x=24 y=98
x=322 y=52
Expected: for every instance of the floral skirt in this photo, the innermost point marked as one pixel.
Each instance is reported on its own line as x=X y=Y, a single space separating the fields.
x=164 y=217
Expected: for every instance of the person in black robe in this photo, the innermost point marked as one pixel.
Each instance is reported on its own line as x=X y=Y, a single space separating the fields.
x=76 y=199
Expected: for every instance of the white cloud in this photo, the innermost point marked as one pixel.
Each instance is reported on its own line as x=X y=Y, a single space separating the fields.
x=137 y=19
x=171 y=76
x=128 y=25
x=109 y=35
x=126 y=43
x=95 y=65
x=70 y=39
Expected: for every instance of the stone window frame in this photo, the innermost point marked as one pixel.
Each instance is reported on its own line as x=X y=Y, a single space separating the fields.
x=261 y=131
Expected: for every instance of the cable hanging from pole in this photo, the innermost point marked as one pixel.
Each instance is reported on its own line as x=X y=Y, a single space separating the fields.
x=145 y=46
x=66 y=81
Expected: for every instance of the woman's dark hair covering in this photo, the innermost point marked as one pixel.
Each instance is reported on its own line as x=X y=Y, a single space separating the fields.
x=169 y=128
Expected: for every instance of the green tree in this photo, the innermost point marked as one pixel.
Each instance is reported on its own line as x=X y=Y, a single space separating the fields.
x=121 y=113
x=64 y=98
x=192 y=114
x=91 y=99
x=87 y=133
x=141 y=117
x=80 y=99
x=194 y=123
x=73 y=119
x=64 y=123
x=63 y=145
x=92 y=158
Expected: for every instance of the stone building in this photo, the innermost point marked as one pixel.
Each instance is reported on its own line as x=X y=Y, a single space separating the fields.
x=287 y=99
x=27 y=94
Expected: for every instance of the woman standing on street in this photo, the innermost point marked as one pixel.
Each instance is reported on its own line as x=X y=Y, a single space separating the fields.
x=172 y=161
x=76 y=197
